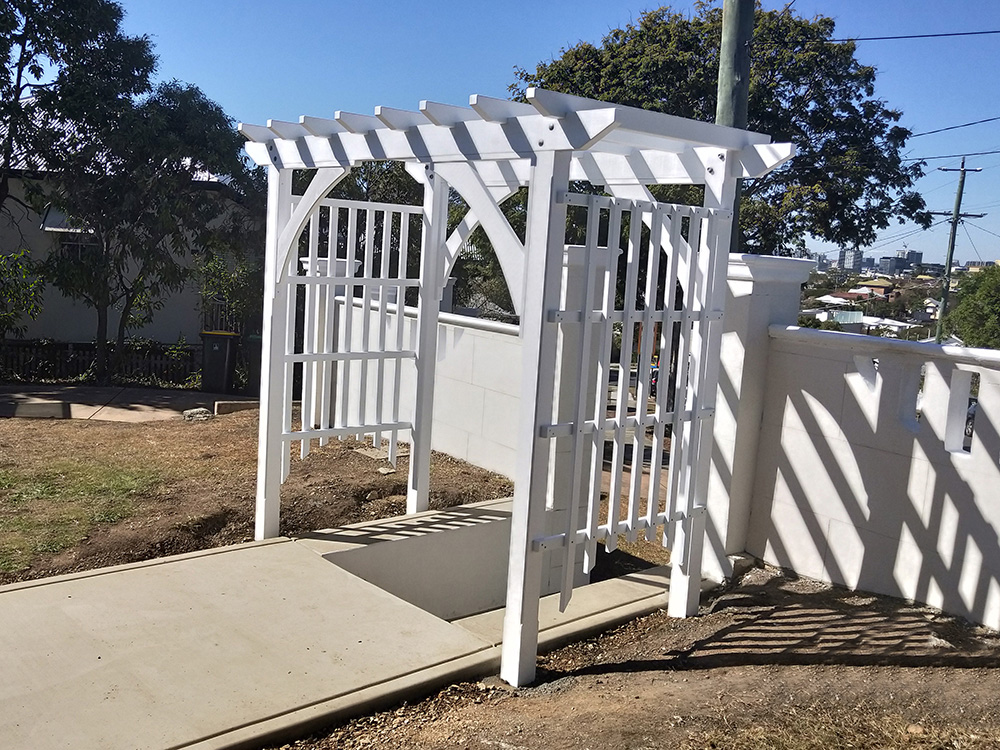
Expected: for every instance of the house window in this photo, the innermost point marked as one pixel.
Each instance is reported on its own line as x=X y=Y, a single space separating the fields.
x=79 y=246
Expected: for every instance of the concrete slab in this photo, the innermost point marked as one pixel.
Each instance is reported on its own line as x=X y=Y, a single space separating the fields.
x=266 y=641
x=594 y=607
x=451 y=563
x=112 y=403
x=200 y=650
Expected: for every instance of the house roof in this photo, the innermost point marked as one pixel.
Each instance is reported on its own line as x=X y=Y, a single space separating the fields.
x=887 y=322
x=878 y=284
x=832 y=299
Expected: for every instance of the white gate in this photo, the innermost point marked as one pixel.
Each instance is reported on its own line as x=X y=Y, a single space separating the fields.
x=338 y=332
x=349 y=315
x=668 y=306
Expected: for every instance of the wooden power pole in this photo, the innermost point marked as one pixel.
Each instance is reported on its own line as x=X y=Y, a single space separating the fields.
x=956 y=217
x=734 y=81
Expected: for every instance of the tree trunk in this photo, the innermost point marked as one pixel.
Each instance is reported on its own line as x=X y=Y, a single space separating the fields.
x=101 y=356
x=122 y=330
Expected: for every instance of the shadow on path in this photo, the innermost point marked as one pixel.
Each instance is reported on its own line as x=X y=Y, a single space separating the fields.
x=767 y=624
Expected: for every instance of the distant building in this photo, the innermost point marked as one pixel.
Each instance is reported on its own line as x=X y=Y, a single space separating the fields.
x=881 y=287
x=933 y=269
x=974 y=266
x=911 y=257
x=867 y=264
x=850 y=260
x=892 y=265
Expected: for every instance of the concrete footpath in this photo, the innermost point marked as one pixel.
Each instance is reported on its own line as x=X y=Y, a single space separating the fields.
x=111 y=403
x=241 y=645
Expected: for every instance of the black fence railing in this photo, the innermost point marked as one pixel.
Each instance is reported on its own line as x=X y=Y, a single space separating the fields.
x=141 y=361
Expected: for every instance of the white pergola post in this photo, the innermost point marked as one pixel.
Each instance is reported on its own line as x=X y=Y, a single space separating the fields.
x=712 y=258
x=544 y=242
x=435 y=227
x=272 y=375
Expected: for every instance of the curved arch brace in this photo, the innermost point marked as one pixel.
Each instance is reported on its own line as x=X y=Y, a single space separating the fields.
x=321 y=184
x=456 y=240
x=484 y=210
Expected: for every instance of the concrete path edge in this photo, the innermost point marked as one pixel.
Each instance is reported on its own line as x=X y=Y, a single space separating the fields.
x=419 y=684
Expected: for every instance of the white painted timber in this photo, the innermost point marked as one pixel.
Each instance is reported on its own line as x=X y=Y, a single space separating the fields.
x=487 y=151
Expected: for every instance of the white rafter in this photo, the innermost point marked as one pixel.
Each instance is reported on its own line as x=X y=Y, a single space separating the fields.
x=612 y=144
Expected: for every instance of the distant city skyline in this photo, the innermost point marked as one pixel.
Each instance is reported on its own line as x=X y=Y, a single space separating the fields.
x=264 y=61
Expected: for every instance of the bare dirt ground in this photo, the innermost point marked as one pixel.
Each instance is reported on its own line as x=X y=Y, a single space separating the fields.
x=775 y=662
x=197 y=491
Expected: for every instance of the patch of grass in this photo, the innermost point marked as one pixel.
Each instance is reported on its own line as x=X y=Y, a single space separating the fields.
x=48 y=509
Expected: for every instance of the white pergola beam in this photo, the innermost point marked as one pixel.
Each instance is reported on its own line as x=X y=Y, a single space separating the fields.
x=756 y=161
x=473 y=140
x=504 y=174
x=399 y=119
x=287 y=130
x=639 y=121
x=320 y=127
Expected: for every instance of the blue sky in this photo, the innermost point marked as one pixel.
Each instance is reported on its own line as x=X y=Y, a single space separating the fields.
x=264 y=60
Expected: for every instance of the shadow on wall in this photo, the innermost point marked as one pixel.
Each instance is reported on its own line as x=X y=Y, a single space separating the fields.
x=857 y=488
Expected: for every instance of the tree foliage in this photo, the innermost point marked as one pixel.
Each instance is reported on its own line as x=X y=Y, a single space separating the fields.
x=975 y=318
x=64 y=62
x=20 y=292
x=848 y=179
x=143 y=188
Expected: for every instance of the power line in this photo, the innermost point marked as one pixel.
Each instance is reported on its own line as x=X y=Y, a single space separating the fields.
x=981 y=229
x=915 y=36
x=892 y=239
x=956 y=127
x=950 y=156
x=974 y=248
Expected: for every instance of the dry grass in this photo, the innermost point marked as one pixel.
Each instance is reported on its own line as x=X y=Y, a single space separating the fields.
x=78 y=494
x=46 y=509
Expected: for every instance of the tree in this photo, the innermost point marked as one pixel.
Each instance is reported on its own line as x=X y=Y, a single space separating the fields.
x=64 y=62
x=976 y=317
x=20 y=292
x=848 y=179
x=143 y=190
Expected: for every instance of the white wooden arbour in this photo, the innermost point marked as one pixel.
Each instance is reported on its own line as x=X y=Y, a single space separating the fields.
x=565 y=297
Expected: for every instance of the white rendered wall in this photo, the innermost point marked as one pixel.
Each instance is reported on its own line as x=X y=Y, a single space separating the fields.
x=853 y=489
x=762 y=290
x=476 y=392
